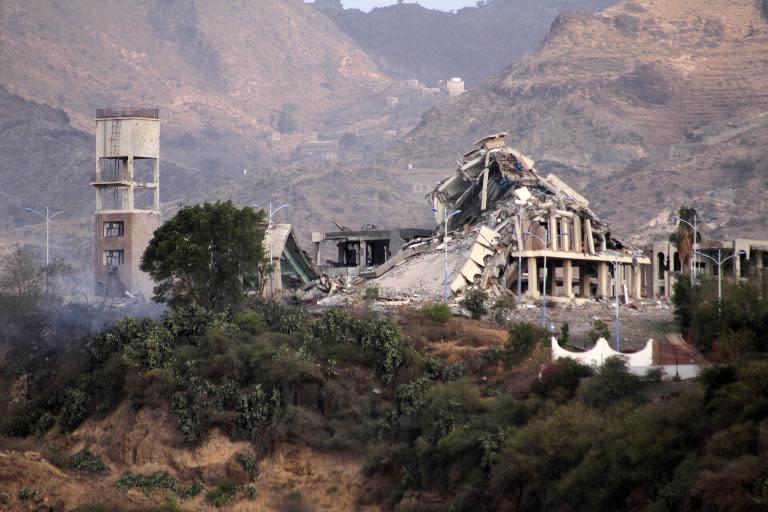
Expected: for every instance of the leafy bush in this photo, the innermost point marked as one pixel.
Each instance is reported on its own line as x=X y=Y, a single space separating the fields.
x=250 y=491
x=523 y=337
x=223 y=494
x=254 y=412
x=561 y=379
x=371 y=294
x=293 y=502
x=27 y=493
x=24 y=422
x=248 y=463
x=189 y=408
x=146 y=483
x=438 y=312
x=250 y=322
x=86 y=461
x=599 y=330
x=74 y=410
x=612 y=383
x=193 y=490
x=474 y=302
x=280 y=317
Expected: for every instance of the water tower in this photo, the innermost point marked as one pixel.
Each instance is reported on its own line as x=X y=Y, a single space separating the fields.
x=127 y=198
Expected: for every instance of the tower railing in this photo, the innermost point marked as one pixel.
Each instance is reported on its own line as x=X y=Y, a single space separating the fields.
x=106 y=113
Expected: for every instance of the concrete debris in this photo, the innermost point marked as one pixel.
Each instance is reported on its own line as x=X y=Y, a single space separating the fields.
x=511 y=230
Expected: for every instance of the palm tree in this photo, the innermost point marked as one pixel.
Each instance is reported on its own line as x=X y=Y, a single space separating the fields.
x=682 y=237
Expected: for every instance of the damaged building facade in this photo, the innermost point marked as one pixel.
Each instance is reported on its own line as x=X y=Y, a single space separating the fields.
x=358 y=252
x=511 y=229
x=667 y=265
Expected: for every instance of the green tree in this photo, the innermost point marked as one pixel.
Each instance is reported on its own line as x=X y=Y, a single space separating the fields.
x=208 y=254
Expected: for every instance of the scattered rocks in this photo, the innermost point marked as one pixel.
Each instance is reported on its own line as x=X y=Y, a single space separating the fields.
x=32 y=456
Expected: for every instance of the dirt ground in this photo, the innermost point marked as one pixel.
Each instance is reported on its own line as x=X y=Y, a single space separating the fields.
x=146 y=442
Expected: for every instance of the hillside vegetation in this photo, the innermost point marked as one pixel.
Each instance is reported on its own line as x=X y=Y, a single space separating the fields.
x=441 y=413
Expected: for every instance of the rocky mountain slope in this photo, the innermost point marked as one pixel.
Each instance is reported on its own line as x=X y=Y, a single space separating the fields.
x=646 y=105
x=410 y=41
x=221 y=74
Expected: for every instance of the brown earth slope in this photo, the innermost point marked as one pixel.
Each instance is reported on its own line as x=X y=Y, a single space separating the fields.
x=219 y=72
x=664 y=97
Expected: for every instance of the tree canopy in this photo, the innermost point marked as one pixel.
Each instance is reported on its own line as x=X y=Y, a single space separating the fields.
x=208 y=254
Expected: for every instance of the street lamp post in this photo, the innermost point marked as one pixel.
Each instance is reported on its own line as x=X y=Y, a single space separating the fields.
x=719 y=262
x=543 y=275
x=695 y=228
x=520 y=256
x=47 y=217
x=171 y=208
x=269 y=240
x=445 y=243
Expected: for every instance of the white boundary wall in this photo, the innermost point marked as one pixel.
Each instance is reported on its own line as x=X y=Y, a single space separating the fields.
x=639 y=362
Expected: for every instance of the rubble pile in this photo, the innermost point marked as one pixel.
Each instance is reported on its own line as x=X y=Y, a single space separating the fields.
x=497 y=208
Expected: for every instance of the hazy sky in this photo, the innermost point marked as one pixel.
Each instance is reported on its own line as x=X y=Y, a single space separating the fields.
x=445 y=5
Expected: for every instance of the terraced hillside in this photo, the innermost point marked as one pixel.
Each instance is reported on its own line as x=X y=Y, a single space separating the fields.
x=608 y=99
x=221 y=74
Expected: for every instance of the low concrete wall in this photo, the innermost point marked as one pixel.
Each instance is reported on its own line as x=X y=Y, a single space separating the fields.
x=639 y=362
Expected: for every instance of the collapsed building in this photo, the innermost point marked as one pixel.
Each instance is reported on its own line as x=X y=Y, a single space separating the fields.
x=359 y=251
x=515 y=231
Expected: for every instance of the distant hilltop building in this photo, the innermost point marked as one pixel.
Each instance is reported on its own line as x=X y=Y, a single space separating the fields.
x=127 y=198
x=453 y=87
x=325 y=150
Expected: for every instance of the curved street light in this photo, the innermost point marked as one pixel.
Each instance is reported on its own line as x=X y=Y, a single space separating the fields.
x=719 y=262
x=543 y=274
x=445 y=243
x=47 y=217
x=271 y=214
x=180 y=205
x=695 y=228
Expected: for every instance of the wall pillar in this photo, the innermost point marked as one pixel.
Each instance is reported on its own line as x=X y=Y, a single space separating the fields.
x=565 y=229
x=533 y=279
x=553 y=238
x=568 y=279
x=584 y=289
x=602 y=280
x=637 y=282
x=578 y=244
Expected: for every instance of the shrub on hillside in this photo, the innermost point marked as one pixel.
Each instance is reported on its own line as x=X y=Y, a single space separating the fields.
x=86 y=461
x=438 y=312
x=522 y=339
x=613 y=382
x=75 y=409
x=598 y=330
x=474 y=302
x=561 y=379
x=223 y=494
x=250 y=322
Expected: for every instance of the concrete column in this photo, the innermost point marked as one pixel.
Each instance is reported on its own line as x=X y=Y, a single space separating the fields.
x=568 y=279
x=156 y=179
x=577 y=234
x=533 y=279
x=637 y=282
x=565 y=229
x=551 y=278
x=602 y=280
x=655 y=273
x=584 y=287
x=759 y=259
x=128 y=195
x=553 y=238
